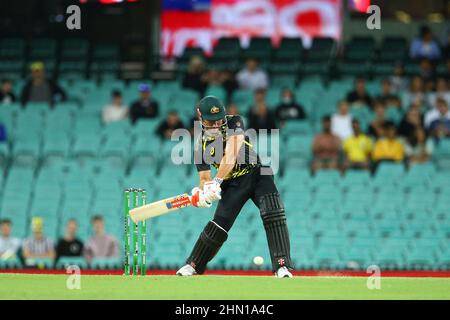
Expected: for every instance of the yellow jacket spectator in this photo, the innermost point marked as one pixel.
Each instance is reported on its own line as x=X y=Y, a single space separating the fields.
x=357 y=148
x=389 y=147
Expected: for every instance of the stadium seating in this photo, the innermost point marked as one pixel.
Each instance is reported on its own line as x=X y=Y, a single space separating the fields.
x=63 y=163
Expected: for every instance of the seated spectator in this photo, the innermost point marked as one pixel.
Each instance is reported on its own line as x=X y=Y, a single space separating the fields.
x=232 y=109
x=439 y=112
x=359 y=96
x=357 y=149
x=101 y=245
x=7 y=96
x=387 y=96
x=440 y=125
x=196 y=77
x=415 y=93
x=229 y=83
x=341 y=122
x=116 y=111
x=289 y=109
x=426 y=72
x=410 y=123
x=38 y=245
x=418 y=149
x=376 y=127
x=9 y=246
x=168 y=125
x=3 y=135
x=389 y=147
x=259 y=116
x=325 y=148
x=41 y=89
x=441 y=91
x=146 y=107
x=252 y=77
x=425 y=46
x=398 y=80
x=69 y=245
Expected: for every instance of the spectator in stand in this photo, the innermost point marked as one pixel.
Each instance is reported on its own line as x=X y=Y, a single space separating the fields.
x=410 y=123
x=440 y=125
x=116 y=111
x=357 y=149
x=442 y=90
x=229 y=83
x=398 y=80
x=196 y=77
x=376 y=127
x=252 y=77
x=426 y=72
x=101 y=245
x=7 y=95
x=3 y=135
x=232 y=109
x=325 y=148
x=146 y=107
x=69 y=245
x=168 y=125
x=425 y=46
x=439 y=112
x=288 y=109
x=41 y=89
x=38 y=246
x=359 y=96
x=387 y=96
x=389 y=147
x=9 y=246
x=418 y=149
x=341 y=122
x=416 y=92
x=259 y=116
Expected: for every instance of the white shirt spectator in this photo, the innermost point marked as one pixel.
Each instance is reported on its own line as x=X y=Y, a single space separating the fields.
x=432 y=115
x=112 y=113
x=9 y=247
x=252 y=80
x=341 y=126
x=432 y=97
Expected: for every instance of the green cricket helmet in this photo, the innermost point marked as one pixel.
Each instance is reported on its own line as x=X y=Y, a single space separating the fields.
x=211 y=109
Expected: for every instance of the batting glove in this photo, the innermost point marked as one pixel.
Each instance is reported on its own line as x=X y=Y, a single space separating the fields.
x=212 y=190
x=198 y=198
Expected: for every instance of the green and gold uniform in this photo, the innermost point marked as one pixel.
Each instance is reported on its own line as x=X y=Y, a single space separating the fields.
x=247 y=180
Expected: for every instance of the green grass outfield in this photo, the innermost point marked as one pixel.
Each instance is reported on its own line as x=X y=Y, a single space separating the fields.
x=29 y=286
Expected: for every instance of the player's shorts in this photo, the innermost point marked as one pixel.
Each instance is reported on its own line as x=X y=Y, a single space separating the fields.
x=236 y=192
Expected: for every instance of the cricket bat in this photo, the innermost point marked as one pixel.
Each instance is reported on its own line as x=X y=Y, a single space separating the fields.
x=160 y=207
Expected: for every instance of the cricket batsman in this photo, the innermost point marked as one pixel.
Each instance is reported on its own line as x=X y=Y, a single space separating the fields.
x=224 y=145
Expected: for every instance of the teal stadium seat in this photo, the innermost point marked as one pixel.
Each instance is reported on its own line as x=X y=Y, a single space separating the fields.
x=65 y=262
x=106 y=263
x=11 y=263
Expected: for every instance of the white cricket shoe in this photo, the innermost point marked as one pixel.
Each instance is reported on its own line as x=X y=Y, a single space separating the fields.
x=283 y=272
x=186 y=270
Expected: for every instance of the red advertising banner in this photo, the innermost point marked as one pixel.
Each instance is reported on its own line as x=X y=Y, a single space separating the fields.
x=249 y=18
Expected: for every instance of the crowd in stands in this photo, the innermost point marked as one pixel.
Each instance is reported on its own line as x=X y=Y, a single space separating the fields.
x=425 y=122
x=38 y=246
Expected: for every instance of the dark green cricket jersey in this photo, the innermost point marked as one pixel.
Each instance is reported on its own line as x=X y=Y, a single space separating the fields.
x=209 y=151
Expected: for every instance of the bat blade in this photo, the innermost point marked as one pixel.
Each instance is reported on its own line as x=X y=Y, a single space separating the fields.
x=160 y=207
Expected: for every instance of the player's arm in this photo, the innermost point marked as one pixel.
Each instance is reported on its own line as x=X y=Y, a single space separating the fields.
x=204 y=176
x=233 y=145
